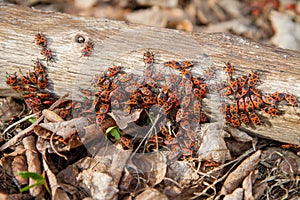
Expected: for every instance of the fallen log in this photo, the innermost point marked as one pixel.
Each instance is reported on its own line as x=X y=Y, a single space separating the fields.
x=119 y=43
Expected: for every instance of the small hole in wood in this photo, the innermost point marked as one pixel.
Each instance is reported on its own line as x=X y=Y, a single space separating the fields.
x=79 y=39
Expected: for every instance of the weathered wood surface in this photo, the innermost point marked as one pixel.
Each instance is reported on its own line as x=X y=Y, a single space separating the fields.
x=123 y=44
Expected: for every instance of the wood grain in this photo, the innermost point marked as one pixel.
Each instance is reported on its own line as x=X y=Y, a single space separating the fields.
x=123 y=44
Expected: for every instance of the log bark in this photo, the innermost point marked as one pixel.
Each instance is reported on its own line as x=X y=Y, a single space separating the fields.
x=123 y=44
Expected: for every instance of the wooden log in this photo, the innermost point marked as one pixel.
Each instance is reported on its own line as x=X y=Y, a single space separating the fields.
x=124 y=44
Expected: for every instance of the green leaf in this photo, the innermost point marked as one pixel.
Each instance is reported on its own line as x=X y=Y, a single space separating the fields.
x=27 y=187
x=110 y=129
x=32 y=120
x=40 y=180
x=114 y=131
x=26 y=174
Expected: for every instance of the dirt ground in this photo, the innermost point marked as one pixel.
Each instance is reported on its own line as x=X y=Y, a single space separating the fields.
x=75 y=153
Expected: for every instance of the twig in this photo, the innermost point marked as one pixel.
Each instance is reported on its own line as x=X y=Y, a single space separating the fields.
x=22 y=134
x=212 y=186
x=18 y=122
x=52 y=145
x=149 y=132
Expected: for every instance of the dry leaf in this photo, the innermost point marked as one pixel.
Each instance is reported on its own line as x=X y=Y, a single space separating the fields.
x=87 y=4
x=247 y=186
x=65 y=128
x=150 y=194
x=9 y=108
x=34 y=164
x=236 y=195
x=6 y=160
x=161 y=17
x=287 y=32
x=161 y=3
x=236 y=177
x=151 y=166
x=91 y=134
x=182 y=173
x=213 y=146
x=56 y=193
x=100 y=185
x=172 y=191
x=19 y=164
x=240 y=135
x=52 y=116
x=259 y=189
x=122 y=119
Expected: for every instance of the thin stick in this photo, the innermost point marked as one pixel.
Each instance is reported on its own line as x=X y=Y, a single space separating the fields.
x=22 y=134
x=18 y=122
x=149 y=132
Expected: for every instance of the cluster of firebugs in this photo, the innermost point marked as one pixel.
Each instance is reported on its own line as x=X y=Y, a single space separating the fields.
x=34 y=83
x=247 y=99
x=179 y=97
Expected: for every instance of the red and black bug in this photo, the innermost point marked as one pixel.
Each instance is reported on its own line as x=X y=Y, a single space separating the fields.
x=42 y=81
x=32 y=77
x=148 y=58
x=113 y=70
x=272 y=111
x=291 y=99
x=11 y=79
x=244 y=118
x=253 y=79
x=268 y=99
x=40 y=40
x=257 y=102
x=46 y=52
x=229 y=69
x=234 y=108
x=255 y=119
x=87 y=49
x=233 y=83
x=249 y=104
x=278 y=96
x=186 y=64
x=38 y=67
x=173 y=64
x=235 y=122
x=186 y=74
x=199 y=93
x=241 y=105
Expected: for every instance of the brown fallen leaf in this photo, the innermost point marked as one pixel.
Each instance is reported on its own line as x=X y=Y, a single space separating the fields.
x=161 y=3
x=151 y=166
x=100 y=185
x=52 y=116
x=286 y=30
x=237 y=194
x=240 y=136
x=150 y=194
x=247 y=185
x=142 y=171
x=34 y=164
x=56 y=192
x=161 y=17
x=19 y=164
x=213 y=146
x=182 y=173
x=122 y=119
x=9 y=108
x=236 y=177
x=65 y=128
x=259 y=189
